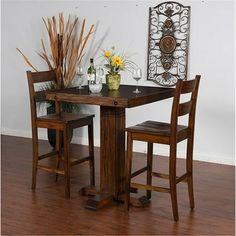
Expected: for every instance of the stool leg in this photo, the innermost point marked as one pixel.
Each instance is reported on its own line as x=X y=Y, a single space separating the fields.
x=35 y=157
x=58 y=149
x=67 y=162
x=189 y=167
x=91 y=154
x=128 y=168
x=149 y=166
x=172 y=174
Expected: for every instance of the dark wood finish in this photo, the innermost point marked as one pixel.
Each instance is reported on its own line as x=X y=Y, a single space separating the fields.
x=167 y=133
x=112 y=131
x=112 y=141
x=62 y=122
x=112 y=135
x=47 y=212
x=124 y=97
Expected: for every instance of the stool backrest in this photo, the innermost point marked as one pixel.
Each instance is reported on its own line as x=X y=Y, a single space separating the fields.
x=187 y=107
x=38 y=96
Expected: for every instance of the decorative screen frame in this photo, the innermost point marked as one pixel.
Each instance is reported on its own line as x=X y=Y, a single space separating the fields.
x=168 y=46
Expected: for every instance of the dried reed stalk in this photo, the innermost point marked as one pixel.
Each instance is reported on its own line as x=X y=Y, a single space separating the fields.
x=67 y=52
x=26 y=59
x=66 y=47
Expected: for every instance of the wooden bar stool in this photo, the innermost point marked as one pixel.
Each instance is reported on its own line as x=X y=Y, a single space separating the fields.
x=63 y=123
x=166 y=133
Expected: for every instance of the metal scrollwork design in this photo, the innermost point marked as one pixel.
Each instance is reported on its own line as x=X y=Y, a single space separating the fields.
x=169 y=25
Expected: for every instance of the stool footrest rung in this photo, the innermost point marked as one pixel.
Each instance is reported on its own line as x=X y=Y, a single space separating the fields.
x=182 y=178
x=52 y=153
x=139 y=171
x=149 y=187
x=160 y=175
x=74 y=161
x=51 y=170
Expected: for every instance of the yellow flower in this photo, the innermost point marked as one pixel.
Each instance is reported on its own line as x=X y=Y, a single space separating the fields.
x=107 y=54
x=122 y=66
x=116 y=61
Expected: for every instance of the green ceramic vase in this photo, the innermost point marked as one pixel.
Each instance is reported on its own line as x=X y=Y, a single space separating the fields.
x=113 y=81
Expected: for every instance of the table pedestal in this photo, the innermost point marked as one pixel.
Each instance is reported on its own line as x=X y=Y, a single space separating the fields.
x=112 y=156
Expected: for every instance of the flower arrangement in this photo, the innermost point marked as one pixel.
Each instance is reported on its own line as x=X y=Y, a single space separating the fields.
x=66 y=43
x=63 y=52
x=116 y=62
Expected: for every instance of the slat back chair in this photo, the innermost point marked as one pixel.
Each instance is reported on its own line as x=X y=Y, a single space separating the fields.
x=166 y=133
x=63 y=123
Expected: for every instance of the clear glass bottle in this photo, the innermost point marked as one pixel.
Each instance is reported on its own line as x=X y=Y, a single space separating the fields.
x=91 y=72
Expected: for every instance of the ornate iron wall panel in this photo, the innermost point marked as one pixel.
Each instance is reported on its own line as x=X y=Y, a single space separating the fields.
x=169 y=25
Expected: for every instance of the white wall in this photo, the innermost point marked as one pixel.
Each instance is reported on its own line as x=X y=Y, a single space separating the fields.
x=124 y=24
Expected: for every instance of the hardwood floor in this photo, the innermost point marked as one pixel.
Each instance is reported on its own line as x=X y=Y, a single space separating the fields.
x=47 y=212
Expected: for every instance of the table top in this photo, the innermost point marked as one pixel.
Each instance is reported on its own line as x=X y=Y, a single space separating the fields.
x=124 y=97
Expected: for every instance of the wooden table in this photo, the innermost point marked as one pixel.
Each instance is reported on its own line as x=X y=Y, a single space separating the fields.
x=112 y=130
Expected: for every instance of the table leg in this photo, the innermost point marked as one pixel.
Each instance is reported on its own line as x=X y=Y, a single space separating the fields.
x=112 y=156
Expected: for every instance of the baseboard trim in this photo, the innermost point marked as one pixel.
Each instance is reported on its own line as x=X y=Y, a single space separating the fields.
x=206 y=157
x=138 y=147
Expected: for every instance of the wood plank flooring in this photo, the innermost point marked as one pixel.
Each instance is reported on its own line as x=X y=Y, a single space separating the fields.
x=47 y=212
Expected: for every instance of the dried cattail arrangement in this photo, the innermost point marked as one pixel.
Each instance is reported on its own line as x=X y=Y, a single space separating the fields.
x=67 y=44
